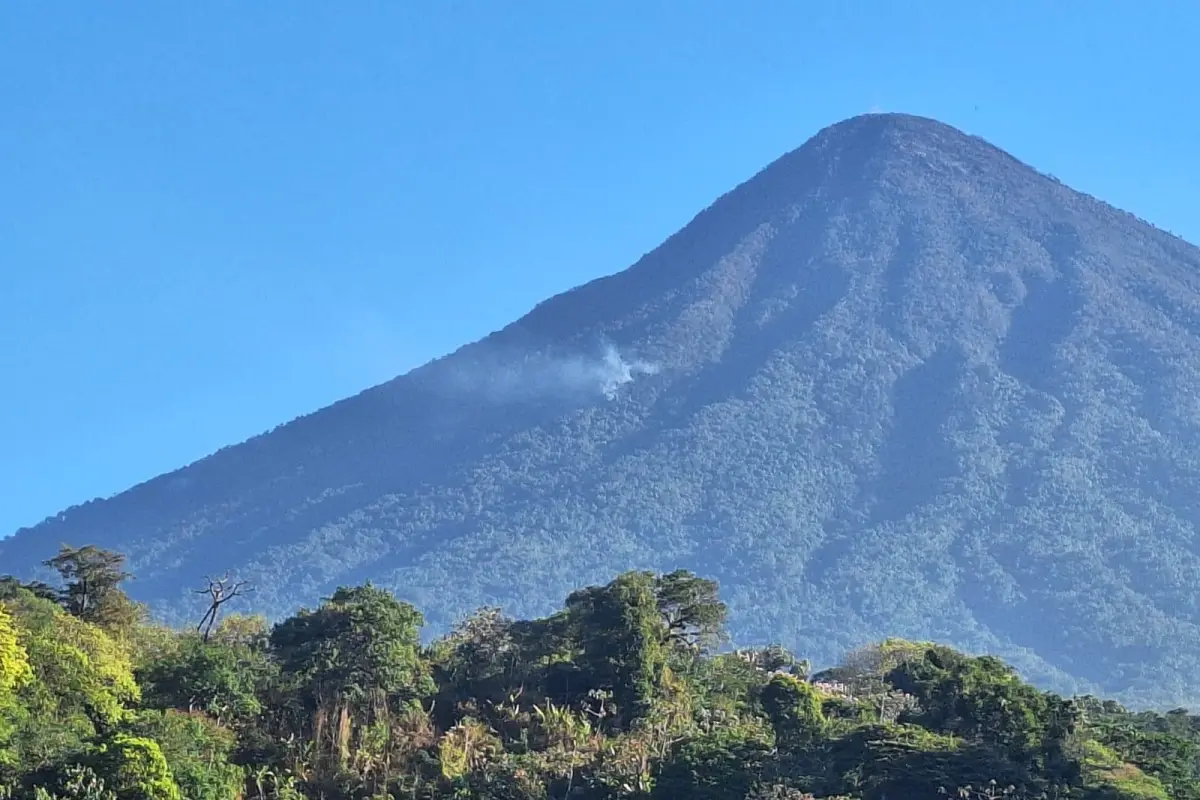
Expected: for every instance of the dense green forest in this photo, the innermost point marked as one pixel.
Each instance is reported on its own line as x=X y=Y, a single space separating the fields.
x=627 y=692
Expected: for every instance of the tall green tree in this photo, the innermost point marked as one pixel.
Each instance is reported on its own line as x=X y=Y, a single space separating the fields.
x=692 y=609
x=352 y=662
x=91 y=589
x=794 y=709
x=222 y=679
x=622 y=637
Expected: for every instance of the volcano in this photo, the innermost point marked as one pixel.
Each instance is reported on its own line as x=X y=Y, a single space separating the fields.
x=897 y=383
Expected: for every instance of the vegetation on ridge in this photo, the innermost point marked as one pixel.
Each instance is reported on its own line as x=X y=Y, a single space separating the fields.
x=625 y=692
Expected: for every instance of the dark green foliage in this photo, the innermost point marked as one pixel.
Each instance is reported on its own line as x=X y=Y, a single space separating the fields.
x=909 y=761
x=691 y=608
x=123 y=767
x=91 y=586
x=983 y=699
x=1166 y=746
x=614 y=697
x=719 y=766
x=71 y=782
x=622 y=639
x=358 y=642
x=776 y=791
x=10 y=586
x=90 y=575
x=223 y=680
x=198 y=751
x=479 y=663
x=794 y=708
x=726 y=686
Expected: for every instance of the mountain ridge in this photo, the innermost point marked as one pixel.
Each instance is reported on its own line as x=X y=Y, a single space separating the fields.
x=895 y=363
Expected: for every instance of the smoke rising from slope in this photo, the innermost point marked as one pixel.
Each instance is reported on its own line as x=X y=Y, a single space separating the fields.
x=514 y=377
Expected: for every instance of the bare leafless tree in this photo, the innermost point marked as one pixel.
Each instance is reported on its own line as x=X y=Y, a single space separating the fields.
x=220 y=592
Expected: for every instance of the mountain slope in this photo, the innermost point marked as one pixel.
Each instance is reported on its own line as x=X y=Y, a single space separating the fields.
x=896 y=383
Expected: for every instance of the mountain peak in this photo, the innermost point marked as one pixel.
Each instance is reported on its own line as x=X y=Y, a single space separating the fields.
x=885 y=136
x=896 y=383
x=872 y=129
x=877 y=121
x=892 y=132
x=874 y=172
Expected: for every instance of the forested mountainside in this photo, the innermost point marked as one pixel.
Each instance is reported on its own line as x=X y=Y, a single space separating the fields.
x=623 y=692
x=898 y=383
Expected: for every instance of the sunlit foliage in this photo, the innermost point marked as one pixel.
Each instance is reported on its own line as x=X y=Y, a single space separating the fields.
x=626 y=692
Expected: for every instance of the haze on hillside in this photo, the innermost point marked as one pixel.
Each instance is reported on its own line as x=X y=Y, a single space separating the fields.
x=898 y=383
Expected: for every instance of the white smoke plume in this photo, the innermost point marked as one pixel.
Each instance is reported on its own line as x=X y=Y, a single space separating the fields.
x=512 y=376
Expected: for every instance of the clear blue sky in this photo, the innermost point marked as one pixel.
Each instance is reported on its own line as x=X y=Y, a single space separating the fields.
x=217 y=216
